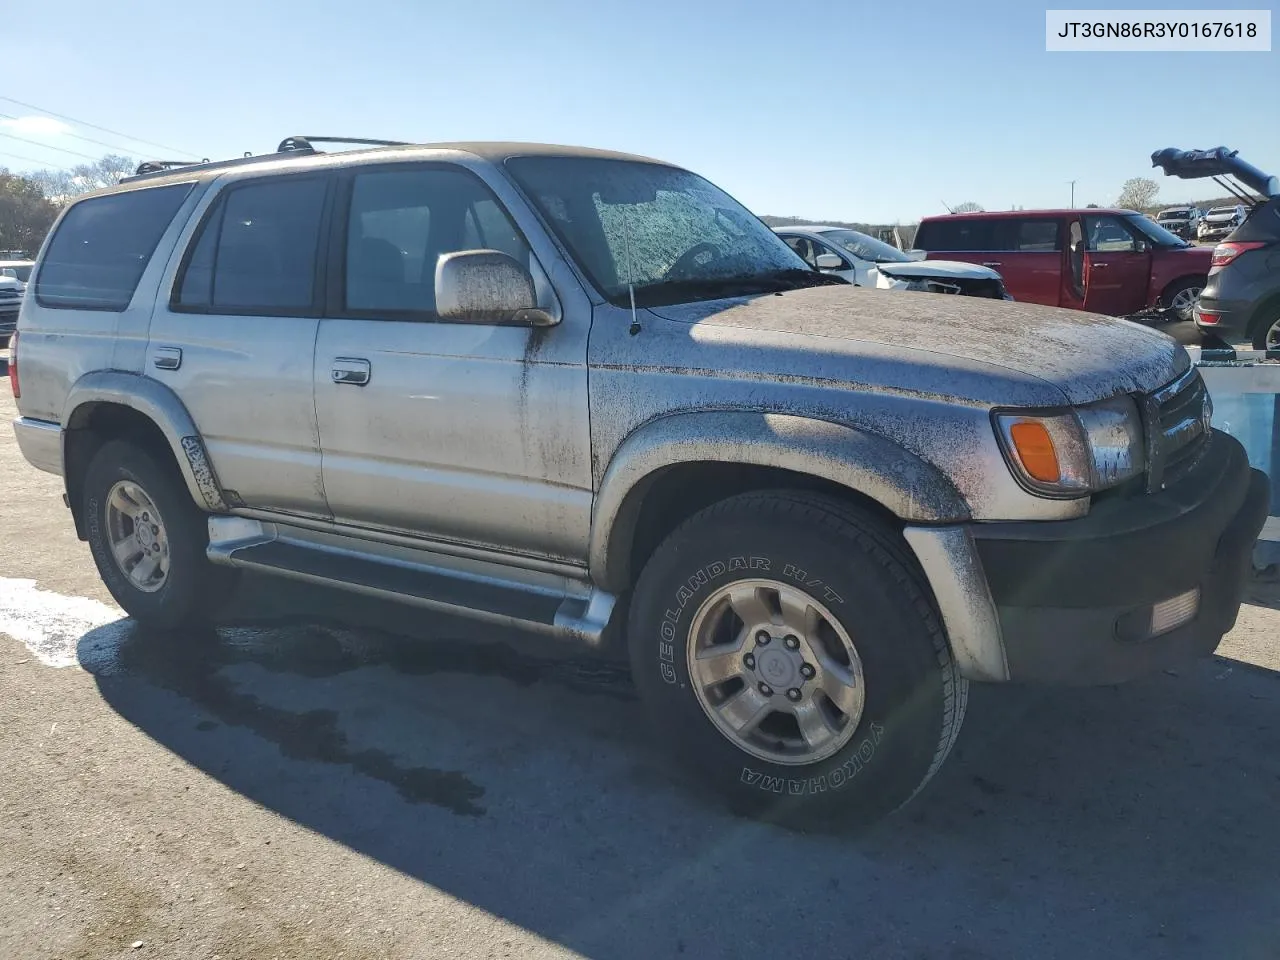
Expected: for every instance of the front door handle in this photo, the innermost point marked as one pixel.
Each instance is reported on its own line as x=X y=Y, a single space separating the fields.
x=350 y=370
x=167 y=358
x=991 y=263
x=1099 y=266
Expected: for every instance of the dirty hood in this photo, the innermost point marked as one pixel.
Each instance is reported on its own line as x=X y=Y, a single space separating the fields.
x=1084 y=356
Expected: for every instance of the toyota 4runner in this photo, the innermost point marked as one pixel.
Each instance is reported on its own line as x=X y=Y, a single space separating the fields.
x=590 y=395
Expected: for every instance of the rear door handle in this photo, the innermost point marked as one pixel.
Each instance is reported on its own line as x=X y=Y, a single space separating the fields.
x=350 y=370
x=1099 y=266
x=991 y=263
x=167 y=358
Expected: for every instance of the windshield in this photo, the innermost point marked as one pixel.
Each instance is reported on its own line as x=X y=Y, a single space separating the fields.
x=1173 y=214
x=1156 y=233
x=1222 y=212
x=668 y=233
x=866 y=248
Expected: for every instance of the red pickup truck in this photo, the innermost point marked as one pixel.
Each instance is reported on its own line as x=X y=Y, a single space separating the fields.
x=1115 y=262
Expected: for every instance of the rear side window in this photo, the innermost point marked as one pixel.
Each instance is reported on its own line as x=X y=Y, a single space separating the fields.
x=256 y=250
x=1025 y=236
x=959 y=235
x=97 y=256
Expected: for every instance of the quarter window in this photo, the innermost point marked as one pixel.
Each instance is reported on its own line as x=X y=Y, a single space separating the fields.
x=103 y=245
x=256 y=252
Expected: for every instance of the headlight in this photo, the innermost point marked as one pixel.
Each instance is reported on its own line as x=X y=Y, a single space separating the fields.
x=1074 y=452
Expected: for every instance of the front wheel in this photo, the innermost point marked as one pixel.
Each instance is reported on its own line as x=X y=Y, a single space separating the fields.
x=788 y=650
x=148 y=538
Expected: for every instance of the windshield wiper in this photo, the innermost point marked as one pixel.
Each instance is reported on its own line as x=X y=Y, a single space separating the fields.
x=662 y=292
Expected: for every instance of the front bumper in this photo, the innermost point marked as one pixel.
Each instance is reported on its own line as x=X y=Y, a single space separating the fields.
x=1074 y=598
x=40 y=442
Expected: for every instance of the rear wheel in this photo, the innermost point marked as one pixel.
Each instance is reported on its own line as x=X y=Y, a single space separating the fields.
x=1265 y=330
x=1181 y=297
x=788 y=651
x=148 y=538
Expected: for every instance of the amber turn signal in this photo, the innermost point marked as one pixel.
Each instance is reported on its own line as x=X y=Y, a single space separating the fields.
x=1032 y=443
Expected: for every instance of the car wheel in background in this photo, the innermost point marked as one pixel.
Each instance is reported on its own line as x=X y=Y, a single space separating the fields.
x=1181 y=296
x=788 y=650
x=148 y=538
x=1265 y=329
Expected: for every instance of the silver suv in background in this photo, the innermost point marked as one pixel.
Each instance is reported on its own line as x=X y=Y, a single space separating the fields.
x=589 y=394
x=14 y=275
x=1181 y=221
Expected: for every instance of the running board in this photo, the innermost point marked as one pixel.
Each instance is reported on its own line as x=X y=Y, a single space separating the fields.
x=493 y=592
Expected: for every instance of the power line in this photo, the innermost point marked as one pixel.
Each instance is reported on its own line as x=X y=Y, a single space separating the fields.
x=94 y=126
x=43 y=163
x=74 y=136
x=48 y=146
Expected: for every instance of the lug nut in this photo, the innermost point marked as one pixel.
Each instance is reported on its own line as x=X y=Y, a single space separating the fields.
x=792 y=642
x=807 y=671
x=763 y=638
x=749 y=662
x=766 y=690
x=793 y=694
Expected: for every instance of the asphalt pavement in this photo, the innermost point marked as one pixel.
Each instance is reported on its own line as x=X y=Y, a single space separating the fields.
x=325 y=777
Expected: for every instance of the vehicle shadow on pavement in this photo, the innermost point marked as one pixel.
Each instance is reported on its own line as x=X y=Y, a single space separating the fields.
x=1120 y=821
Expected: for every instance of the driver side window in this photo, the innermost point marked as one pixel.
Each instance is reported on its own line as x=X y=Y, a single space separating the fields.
x=805 y=249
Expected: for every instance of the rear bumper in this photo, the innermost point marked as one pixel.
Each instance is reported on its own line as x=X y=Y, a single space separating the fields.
x=1227 y=319
x=40 y=442
x=1075 y=598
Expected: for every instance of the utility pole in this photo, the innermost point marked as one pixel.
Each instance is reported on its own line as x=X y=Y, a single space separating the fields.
x=1073 y=193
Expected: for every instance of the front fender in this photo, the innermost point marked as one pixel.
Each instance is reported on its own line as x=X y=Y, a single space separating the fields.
x=162 y=406
x=906 y=485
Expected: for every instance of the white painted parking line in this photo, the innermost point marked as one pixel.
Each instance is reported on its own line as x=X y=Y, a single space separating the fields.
x=61 y=631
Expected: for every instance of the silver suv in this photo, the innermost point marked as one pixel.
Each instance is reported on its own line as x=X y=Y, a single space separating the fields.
x=590 y=395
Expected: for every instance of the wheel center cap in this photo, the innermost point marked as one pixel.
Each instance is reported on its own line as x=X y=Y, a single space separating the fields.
x=145 y=537
x=776 y=668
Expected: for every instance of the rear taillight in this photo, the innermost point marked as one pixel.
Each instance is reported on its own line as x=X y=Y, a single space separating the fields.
x=1224 y=253
x=13 y=365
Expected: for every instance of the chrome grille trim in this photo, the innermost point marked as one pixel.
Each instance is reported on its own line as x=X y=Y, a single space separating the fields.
x=1176 y=426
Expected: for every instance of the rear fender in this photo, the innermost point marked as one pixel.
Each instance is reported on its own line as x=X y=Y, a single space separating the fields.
x=162 y=406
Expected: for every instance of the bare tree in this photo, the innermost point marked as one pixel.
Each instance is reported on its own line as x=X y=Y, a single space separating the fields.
x=969 y=206
x=25 y=213
x=61 y=185
x=1138 y=193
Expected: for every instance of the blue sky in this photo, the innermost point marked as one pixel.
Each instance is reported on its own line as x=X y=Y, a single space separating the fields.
x=872 y=112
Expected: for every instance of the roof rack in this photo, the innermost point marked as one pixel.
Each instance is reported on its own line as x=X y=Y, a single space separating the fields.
x=306 y=144
x=289 y=147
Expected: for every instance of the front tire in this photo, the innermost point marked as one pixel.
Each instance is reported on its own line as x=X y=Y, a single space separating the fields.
x=788 y=650
x=148 y=539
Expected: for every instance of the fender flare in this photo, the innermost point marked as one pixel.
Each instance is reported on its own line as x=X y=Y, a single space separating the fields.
x=867 y=463
x=162 y=407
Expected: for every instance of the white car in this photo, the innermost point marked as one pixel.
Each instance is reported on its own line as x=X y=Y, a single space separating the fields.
x=868 y=262
x=1219 y=222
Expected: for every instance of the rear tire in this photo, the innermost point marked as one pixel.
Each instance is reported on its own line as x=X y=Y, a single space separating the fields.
x=1182 y=295
x=887 y=713
x=148 y=539
x=1265 y=329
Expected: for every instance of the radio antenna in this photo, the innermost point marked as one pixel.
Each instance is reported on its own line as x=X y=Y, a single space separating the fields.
x=631 y=287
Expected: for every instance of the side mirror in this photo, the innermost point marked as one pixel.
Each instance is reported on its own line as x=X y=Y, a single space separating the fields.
x=1142 y=246
x=487 y=286
x=918 y=254
x=829 y=261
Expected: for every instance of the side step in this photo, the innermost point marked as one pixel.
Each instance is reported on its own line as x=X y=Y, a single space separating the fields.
x=493 y=592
